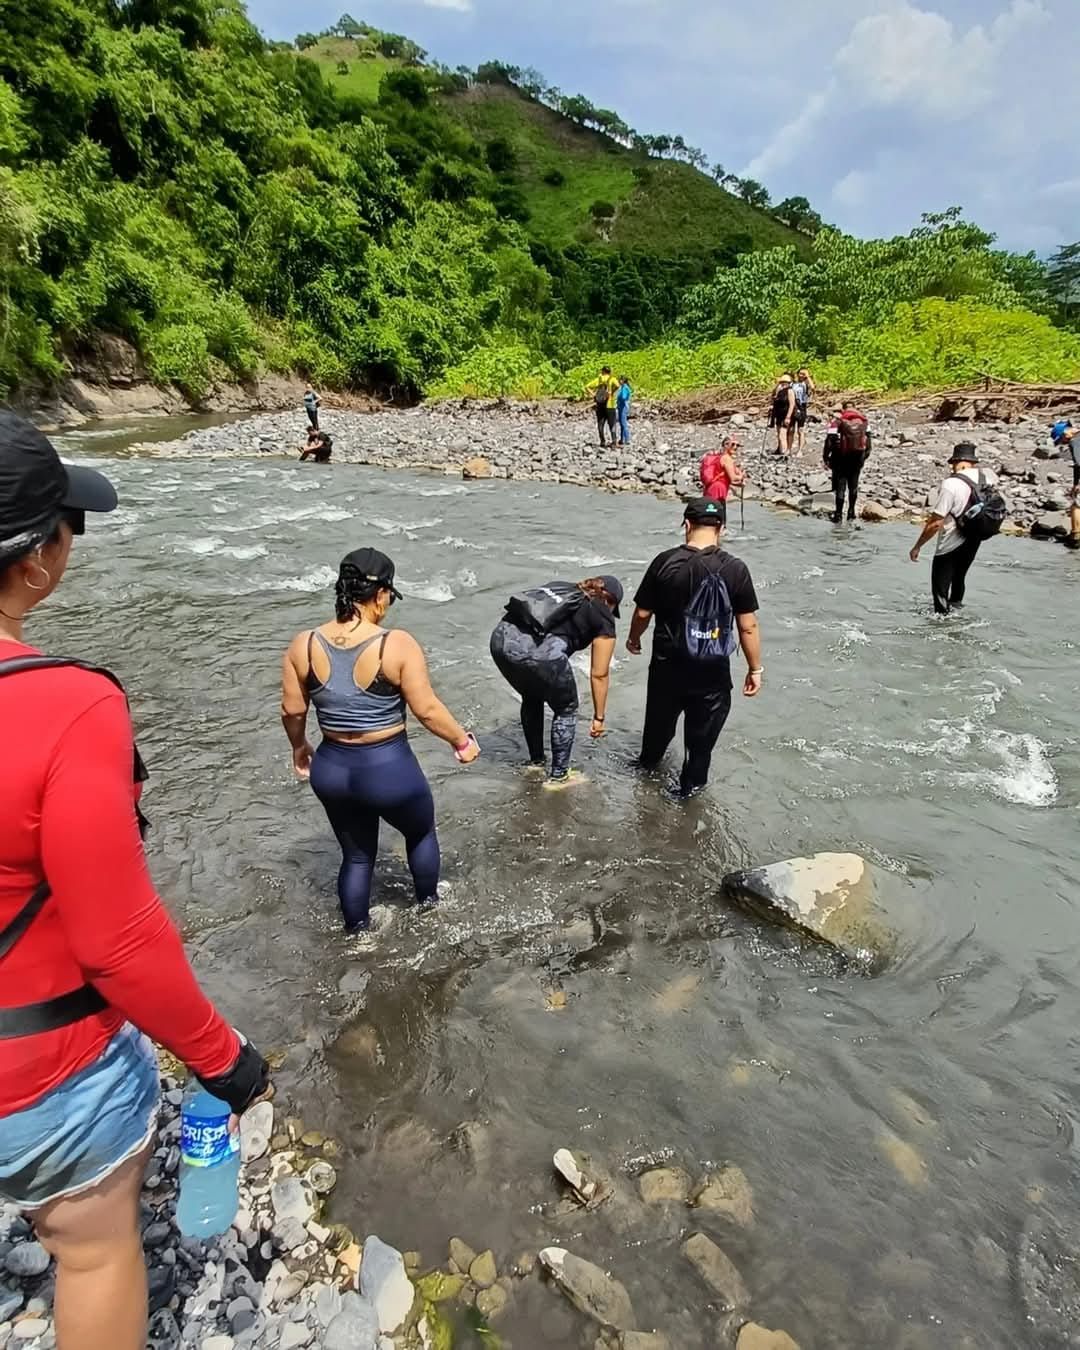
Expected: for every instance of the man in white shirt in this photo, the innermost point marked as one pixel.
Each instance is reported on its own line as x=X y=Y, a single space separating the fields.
x=955 y=550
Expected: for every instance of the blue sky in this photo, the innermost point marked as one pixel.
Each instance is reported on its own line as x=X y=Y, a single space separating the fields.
x=876 y=110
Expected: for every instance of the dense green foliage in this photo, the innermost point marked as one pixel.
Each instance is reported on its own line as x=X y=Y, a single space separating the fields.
x=346 y=209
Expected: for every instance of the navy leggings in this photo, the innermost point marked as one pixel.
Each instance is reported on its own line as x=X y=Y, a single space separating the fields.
x=359 y=785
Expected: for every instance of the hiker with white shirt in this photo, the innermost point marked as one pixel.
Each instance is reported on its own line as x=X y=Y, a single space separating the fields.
x=969 y=509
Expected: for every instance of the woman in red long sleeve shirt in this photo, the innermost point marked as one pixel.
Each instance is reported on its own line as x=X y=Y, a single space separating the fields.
x=87 y=951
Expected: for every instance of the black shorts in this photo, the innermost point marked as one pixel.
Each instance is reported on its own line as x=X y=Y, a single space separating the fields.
x=799 y=417
x=606 y=417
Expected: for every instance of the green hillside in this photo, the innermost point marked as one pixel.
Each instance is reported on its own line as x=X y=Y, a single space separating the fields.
x=661 y=206
x=366 y=66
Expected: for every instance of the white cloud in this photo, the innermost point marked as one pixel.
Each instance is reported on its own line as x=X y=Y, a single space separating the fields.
x=463 y=6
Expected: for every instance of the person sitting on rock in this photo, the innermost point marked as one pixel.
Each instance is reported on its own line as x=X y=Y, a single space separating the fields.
x=319 y=447
x=847 y=448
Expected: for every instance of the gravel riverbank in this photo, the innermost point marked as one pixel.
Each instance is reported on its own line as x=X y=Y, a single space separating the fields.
x=282 y=1279
x=556 y=443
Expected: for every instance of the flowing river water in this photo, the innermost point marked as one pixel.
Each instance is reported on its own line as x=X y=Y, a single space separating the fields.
x=899 y=1132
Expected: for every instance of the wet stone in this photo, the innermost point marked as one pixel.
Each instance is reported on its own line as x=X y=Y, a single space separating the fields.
x=663 y=1185
x=589 y=1289
x=726 y=1192
x=356 y=1327
x=461 y=1254
x=754 y=1337
x=717 y=1270
x=483 y=1271
x=27 y=1261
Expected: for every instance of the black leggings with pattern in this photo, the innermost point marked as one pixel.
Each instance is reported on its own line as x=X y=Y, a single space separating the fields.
x=541 y=674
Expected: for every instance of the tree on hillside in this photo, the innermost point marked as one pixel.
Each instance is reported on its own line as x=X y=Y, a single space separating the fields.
x=698 y=158
x=497 y=72
x=661 y=145
x=304 y=41
x=1064 y=276
x=719 y=173
x=799 y=214
x=531 y=82
x=754 y=193
x=577 y=108
x=731 y=182
x=348 y=27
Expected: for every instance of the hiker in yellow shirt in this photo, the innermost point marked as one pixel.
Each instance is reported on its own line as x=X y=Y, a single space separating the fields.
x=605 y=392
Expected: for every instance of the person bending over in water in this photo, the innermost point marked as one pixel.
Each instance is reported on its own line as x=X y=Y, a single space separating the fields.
x=360 y=678
x=532 y=647
x=319 y=447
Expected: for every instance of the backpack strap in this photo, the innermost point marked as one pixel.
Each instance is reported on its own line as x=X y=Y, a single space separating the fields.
x=25 y=917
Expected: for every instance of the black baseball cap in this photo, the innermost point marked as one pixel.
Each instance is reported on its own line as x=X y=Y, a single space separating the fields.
x=705 y=511
x=964 y=451
x=372 y=566
x=614 y=588
x=35 y=484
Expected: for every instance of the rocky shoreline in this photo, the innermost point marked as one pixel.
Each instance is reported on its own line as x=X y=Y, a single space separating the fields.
x=281 y=1279
x=555 y=442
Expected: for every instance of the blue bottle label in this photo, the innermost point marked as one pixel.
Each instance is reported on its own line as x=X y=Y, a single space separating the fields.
x=206 y=1141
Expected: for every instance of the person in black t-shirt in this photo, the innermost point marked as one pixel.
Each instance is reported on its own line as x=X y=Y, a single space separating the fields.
x=679 y=685
x=538 y=667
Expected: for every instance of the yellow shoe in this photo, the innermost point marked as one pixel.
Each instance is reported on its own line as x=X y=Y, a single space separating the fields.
x=572 y=779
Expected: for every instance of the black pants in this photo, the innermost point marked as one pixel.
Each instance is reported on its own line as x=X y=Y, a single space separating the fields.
x=606 y=417
x=704 y=707
x=846 y=469
x=948 y=576
x=541 y=673
x=313 y=417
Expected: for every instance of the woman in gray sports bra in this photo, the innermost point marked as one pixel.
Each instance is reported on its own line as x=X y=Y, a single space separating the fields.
x=361 y=678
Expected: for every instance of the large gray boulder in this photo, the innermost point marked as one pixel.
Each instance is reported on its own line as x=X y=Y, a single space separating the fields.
x=832 y=897
x=590 y=1291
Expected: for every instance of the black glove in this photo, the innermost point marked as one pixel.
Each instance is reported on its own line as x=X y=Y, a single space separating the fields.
x=248 y=1078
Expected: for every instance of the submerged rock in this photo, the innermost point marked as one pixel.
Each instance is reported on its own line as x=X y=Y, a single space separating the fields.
x=662 y=1184
x=717 y=1270
x=829 y=896
x=754 y=1337
x=726 y=1192
x=589 y=1289
x=1048 y=1271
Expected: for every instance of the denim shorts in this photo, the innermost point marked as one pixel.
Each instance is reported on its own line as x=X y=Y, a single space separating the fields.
x=82 y=1131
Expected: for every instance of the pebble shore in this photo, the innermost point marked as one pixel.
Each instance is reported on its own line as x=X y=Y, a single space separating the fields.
x=555 y=442
x=282 y=1279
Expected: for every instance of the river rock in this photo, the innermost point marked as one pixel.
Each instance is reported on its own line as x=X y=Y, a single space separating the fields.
x=830 y=896
x=477 y=467
x=592 y=1292
x=11 y=1300
x=754 y=1337
x=726 y=1192
x=874 y=512
x=491 y=1302
x=30 y=1329
x=818 y=482
x=356 y=1327
x=461 y=1256
x=662 y=1184
x=216 y=1343
x=383 y=1281
x=291 y=1200
x=717 y=1270
x=27 y=1261
x=321 y=1177
x=1051 y=527
x=256 y=1127
x=643 y=1340
x=483 y=1272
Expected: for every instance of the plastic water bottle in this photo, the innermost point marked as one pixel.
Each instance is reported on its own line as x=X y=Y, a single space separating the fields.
x=209 y=1165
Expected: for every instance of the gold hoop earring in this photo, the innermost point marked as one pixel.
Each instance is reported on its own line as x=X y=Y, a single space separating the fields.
x=48 y=581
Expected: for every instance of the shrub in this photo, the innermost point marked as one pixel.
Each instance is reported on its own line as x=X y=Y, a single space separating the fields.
x=554 y=178
x=602 y=211
x=178 y=354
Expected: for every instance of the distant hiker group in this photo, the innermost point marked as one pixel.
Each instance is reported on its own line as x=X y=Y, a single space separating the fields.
x=791 y=400
x=611 y=399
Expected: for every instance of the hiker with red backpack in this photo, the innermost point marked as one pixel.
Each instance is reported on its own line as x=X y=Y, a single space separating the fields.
x=719 y=473
x=847 y=448
x=969 y=509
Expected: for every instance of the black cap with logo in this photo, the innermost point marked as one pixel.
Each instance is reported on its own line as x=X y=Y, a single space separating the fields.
x=35 y=485
x=705 y=511
x=371 y=565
